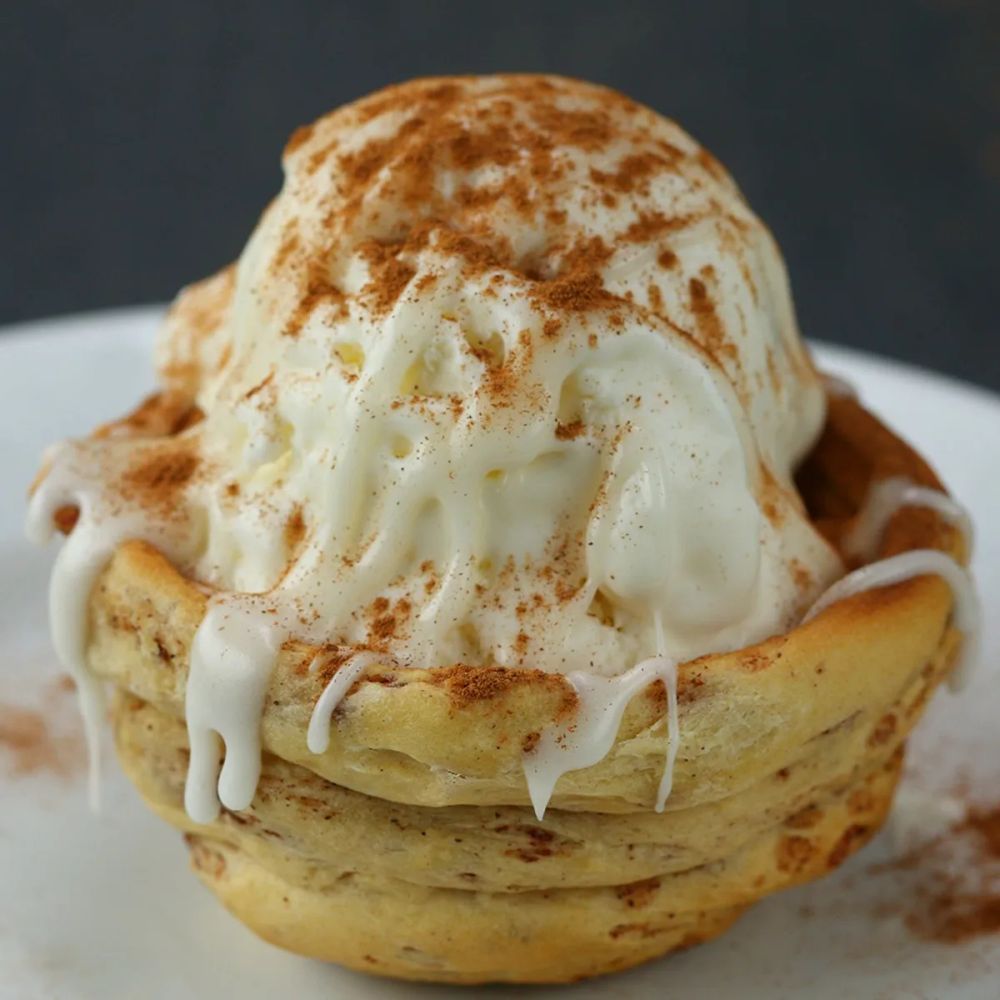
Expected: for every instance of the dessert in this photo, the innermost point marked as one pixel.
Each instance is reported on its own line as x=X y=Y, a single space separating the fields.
x=495 y=590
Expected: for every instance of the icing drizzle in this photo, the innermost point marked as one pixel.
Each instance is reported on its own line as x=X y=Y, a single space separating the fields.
x=885 y=498
x=905 y=566
x=232 y=658
x=588 y=738
x=889 y=496
x=100 y=528
x=318 y=734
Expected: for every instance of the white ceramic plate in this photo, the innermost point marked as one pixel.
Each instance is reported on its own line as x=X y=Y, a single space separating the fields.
x=103 y=906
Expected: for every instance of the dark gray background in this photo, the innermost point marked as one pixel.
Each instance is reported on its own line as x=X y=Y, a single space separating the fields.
x=141 y=140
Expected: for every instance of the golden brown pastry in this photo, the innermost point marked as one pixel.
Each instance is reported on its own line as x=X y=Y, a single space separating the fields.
x=494 y=593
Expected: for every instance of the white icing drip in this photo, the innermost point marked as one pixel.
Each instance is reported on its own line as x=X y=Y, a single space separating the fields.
x=587 y=739
x=95 y=536
x=669 y=678
x=318 y=734
x=77 y=566
x=232 y=657
x=839 y=387
x=906 y=565
x=889 y=496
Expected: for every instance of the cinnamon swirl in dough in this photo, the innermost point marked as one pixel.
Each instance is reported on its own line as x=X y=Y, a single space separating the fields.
x=493 y=593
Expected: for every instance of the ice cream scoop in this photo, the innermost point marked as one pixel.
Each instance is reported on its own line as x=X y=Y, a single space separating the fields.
x=519 y=367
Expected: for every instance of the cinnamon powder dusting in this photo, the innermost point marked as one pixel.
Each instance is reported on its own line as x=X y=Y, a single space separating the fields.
x=295 y=529
x=649 y=225
x=461 y=159
x=298 y=138
x=317 y=290
x=710 y=329
x=951 y=902
x=633 y=173
x=389 y=275
x=574 y=293
x=32 y=742
x=667 y=259
x=157 y=482
x=570 y=431
x=467 y=685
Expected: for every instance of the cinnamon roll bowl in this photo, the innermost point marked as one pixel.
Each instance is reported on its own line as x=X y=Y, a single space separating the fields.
x=409 y=848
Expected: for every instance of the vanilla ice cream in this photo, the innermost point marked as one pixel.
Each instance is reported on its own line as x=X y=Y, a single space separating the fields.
x=519 y=366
